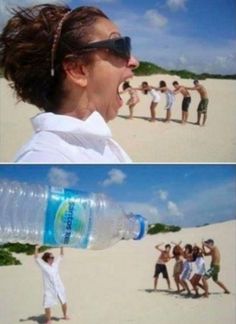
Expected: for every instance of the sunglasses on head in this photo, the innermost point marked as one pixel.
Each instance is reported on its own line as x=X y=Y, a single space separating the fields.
x=120 y=46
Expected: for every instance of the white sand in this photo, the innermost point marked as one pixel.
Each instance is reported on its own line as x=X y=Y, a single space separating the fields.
x=111 y=286
x=145 y=141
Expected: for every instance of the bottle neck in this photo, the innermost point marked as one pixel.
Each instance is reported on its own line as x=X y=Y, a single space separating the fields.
x=136 y=227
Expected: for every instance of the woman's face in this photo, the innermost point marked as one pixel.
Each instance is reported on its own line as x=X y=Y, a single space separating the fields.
x=107 y=72
x=50 y=259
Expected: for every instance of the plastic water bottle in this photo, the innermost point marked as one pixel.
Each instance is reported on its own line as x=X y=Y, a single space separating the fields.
x=52 y=216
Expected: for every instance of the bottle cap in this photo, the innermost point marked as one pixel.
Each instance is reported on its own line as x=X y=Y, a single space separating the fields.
x=143 y=226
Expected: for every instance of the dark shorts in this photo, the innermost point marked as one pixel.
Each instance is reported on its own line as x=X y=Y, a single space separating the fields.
x=213 y=272
x=161 y=268
x=202 y=107
x=185 y=103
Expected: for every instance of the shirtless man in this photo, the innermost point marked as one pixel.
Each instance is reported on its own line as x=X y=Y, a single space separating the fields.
x=214 y=268
x=186 y=100
x=161 y=264
x=202 y=107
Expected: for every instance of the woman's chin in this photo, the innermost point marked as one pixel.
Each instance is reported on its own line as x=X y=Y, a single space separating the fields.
x=112 y=109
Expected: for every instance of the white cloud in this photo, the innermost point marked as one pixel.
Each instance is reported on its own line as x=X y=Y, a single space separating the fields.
x=61 y=178
x=5 y=5
x=224 y=61
x=173 y=209
x=163 y=195
x=176 y=4
x=210 y=205
x=167 y=47
x=183 y=59
x=115 y=176
x=149 y=211
x=155 y=19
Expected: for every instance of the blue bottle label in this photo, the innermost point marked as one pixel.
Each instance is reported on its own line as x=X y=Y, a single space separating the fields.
x=68 y=218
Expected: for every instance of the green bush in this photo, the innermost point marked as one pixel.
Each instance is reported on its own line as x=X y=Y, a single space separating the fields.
x=23 y=248
x=6 y=250
x=147 y=68
x=162 y=228
x=184 y=74
x=6 y=258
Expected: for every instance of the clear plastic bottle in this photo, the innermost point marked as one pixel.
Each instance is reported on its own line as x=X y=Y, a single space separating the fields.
x=52 y=216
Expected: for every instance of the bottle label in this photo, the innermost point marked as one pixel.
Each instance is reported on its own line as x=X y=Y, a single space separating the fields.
x=68 y=218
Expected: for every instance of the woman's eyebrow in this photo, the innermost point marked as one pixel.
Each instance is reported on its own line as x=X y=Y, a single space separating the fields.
x=114 y=34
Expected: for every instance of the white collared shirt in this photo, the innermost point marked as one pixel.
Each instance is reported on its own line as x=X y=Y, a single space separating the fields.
x=65 y=139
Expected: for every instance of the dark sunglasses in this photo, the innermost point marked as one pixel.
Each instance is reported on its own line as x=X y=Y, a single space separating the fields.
x=51 y=257
x=120 y=46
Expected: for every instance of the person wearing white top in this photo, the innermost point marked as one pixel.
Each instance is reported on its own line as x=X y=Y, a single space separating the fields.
x=53 y=287
x=170 y=98
x=64 y=139
x=200 y=269
x=146 y=88
x=72 y=69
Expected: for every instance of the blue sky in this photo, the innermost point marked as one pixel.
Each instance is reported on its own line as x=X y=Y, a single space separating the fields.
x=199 y=35
x=184 y=195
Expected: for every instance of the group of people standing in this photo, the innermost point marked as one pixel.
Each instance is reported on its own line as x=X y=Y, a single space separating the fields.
x=189 y=268
x=170 y=99
x=189 y=272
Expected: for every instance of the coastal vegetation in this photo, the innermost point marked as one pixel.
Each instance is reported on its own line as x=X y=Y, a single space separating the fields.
x=7 y=251
x=148 y=68
x=162 y=228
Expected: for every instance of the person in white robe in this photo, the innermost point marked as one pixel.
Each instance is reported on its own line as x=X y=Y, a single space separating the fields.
x=54 y=290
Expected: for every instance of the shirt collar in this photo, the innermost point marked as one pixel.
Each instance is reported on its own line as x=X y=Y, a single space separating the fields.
x=94 y=125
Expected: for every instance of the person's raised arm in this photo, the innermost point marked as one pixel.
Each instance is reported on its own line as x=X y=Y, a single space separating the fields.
x=209 y=247
x=61 y=251
x=174 y=243
x=139 y=88
x=36 y=251
x=158 y=247
x=176 y=91
x=156 y=88
x=204 y=250
x=191 y=88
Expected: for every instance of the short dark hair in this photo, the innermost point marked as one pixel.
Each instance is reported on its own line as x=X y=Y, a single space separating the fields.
x=189 y=247
x=46 y=256
x=26 y=46
x=209 y=241
x=145 y=83
x=195 y=81
x=162 y=84
x=167 y=246
x=177 y=250
x=175 y=83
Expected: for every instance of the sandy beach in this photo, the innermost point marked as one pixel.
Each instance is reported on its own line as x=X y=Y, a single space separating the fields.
x=114 y=285
x=145 y=141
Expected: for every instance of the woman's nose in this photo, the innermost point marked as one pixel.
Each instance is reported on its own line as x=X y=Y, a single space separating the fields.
x=133 y=63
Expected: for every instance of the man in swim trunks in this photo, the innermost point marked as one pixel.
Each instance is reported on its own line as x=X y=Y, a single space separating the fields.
x=161 y=264
x=214 y=270
x=186 y=100
x=202 y=107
